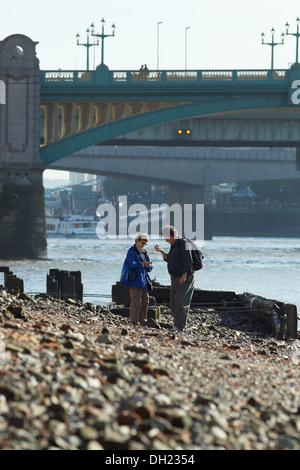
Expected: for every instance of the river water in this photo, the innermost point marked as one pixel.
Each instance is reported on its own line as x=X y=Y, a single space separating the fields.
x=269 y=267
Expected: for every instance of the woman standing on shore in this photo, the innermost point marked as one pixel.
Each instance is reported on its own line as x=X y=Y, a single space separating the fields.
x=135 y=274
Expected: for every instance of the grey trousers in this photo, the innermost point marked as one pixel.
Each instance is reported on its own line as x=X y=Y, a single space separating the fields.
x=180 y=299
x=139 y=301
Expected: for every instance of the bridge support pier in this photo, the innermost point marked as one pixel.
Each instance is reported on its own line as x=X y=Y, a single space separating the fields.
x=22 y=208
x=22 y=216
x=189 y=194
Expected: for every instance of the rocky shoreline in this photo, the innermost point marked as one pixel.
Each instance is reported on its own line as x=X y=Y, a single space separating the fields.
x=77 y=376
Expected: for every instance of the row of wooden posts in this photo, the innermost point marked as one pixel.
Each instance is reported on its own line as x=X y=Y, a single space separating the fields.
x=65 y=285
x=280 y=318
x=12 y=283
x=61 y=285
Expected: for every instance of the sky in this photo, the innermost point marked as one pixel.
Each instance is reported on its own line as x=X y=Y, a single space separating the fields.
x=222 y=34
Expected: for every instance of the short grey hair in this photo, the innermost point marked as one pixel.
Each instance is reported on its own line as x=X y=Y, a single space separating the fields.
x=169 y=231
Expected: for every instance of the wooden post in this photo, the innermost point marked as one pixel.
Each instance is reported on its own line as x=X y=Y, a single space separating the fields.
x=292 y=320
x=67 y=285
x=52 y=286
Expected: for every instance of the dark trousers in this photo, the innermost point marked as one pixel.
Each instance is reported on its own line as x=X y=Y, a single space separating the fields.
x=139 y=301
x=180 y=299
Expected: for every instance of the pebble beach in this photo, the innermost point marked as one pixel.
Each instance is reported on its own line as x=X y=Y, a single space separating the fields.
x=81 y=377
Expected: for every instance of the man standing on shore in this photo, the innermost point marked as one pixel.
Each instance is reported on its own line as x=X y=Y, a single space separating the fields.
x=180 y=268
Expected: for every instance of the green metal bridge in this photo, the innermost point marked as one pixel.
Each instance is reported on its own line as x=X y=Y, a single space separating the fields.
x=83 y=108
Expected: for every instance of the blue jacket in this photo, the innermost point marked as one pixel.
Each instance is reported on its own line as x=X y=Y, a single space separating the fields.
x=133 y=262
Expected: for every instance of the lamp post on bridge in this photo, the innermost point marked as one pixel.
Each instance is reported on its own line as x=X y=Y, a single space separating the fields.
x=297 y=34
x=103 y=36
x=87 y=45
x=272 y=44
x=187 y=27
x=157 y=41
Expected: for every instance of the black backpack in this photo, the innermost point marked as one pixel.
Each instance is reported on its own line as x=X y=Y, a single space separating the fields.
x=196 y=255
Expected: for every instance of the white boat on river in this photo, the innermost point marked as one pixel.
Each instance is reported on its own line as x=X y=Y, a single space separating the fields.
x=73 y=226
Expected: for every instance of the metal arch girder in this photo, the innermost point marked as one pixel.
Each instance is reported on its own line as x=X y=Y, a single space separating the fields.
x=60 y=149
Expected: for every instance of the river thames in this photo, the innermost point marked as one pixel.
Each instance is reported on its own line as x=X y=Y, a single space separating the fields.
x=268 y=267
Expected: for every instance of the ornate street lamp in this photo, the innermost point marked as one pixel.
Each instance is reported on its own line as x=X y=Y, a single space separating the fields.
x=297 y=34
x=87 y=45
x=272 y=44
x=103 y=36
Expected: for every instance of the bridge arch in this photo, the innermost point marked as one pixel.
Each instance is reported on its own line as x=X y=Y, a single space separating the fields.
x=210 y=107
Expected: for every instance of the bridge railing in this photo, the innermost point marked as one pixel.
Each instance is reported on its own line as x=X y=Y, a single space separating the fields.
x=160 y=76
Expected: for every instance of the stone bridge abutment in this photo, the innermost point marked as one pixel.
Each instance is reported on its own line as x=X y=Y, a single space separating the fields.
x=22 y=211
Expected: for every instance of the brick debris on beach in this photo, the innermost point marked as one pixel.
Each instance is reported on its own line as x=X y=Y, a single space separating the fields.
x=78 y=376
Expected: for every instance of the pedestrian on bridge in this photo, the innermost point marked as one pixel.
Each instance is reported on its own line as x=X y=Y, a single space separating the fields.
x=180 y=268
